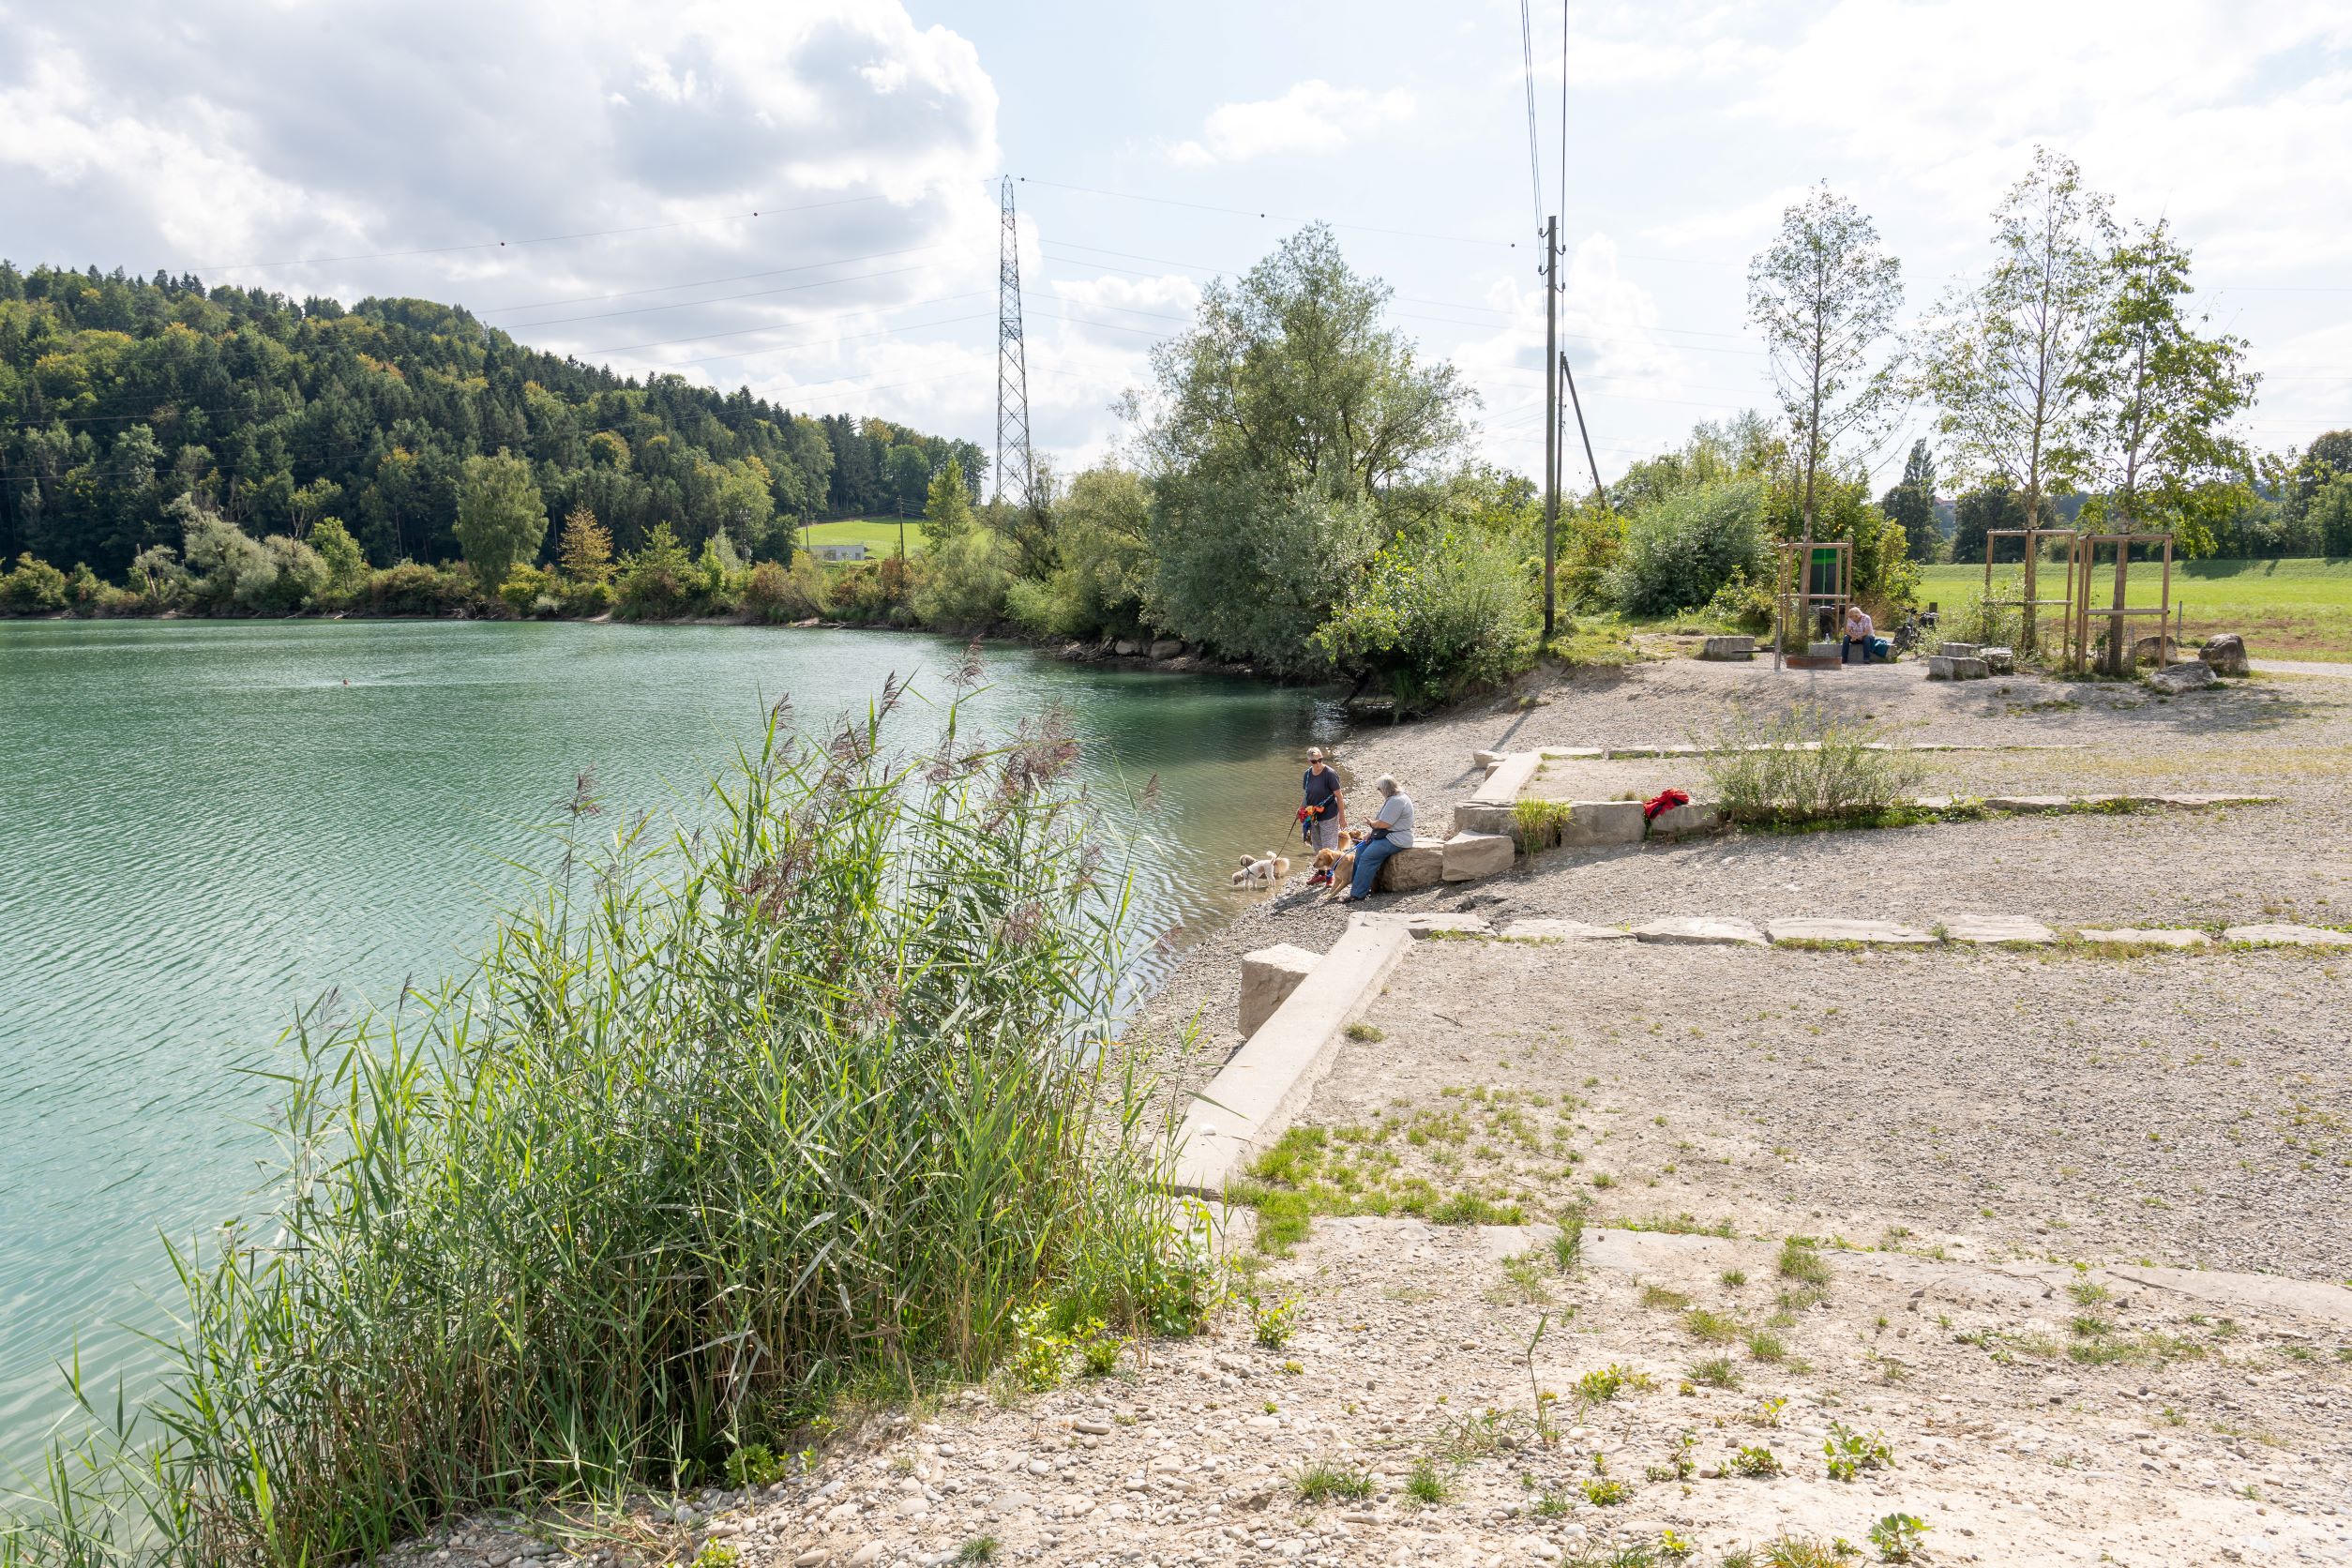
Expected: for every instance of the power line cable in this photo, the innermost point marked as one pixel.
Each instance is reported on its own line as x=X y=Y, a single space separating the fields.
x=1534 y=156
x=703 y=283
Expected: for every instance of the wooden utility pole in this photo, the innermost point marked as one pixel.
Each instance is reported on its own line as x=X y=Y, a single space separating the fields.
x=1551 y=418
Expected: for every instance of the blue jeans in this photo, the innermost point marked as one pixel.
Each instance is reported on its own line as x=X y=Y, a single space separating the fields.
x=1368 y=860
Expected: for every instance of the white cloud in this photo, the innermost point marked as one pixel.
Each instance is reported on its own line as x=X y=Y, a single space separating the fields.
x=1313 y=116
x=250 y=132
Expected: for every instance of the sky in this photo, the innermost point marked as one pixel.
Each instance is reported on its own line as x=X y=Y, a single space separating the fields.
x=802 y=198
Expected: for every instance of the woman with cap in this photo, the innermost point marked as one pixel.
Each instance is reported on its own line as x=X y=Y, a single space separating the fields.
x=1392 y=831
x=1323 y=810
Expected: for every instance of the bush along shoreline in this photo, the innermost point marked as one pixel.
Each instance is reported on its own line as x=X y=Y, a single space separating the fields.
x=731 y=1132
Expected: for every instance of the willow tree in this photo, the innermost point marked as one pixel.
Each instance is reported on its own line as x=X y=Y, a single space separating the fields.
x=2007 y=366
x=1291 y=435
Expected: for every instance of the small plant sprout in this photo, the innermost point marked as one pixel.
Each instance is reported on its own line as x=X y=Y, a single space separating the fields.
x=1801 y=1260
x=1675 y=1547
x=1603 y=1493
x=1599 y=1388
x=1898 y=1537
x=1755 y=1461
x=1716 y=1372
x=980 y=1548
x=1850 y=1453
x=1424 y=1485
x=716 y=1554
x=1734 y=1277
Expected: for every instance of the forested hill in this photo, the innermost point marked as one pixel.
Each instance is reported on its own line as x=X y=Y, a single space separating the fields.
x=118 y=395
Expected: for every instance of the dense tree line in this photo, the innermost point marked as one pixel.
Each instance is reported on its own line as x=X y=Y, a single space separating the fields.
x=119 y=396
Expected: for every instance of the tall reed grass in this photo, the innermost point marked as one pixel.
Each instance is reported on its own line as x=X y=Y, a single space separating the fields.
x=731 y=1120
x=1807 y=763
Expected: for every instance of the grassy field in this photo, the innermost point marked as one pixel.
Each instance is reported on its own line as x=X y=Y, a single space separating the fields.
x=880 y=535
x=2299 y=609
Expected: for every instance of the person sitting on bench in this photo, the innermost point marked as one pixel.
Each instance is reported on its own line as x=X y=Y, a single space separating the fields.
x=1861 y=634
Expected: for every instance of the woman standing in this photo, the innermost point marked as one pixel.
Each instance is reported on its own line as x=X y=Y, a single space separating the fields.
x=1322 y=809
x=1392 y=831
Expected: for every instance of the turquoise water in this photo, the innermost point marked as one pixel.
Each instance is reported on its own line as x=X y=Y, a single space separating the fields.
x=203 y=829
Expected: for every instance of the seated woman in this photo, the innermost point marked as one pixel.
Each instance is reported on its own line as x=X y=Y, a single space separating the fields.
x=1861 y=635
x=1392 y=831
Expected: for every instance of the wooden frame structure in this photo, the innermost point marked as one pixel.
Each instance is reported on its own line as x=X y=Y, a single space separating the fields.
x=2083 y=564
x=1797 y=594
x=2027 y=607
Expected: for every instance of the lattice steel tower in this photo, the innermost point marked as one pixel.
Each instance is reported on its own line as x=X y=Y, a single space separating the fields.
x=1012 y=368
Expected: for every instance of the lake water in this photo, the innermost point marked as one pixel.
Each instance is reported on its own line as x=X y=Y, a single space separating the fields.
x=203 y=828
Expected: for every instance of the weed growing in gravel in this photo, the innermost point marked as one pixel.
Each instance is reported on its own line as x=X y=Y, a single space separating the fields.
x=1682 y=1465
x=980 y=1548
x=1899 y=1537
x=1766 y=1346
x=1675 y=1546
x=1801 y=1260
x=1602 y=1492
x=1716 y=1372
x=1753 y=1460
x=1792 y=1551
x=1808 y=764
x=1364 y=1033
x=1273 y=1326
x=1554 y=1504
x=1850 y=1453
x=1711 y=1327
x=1525 y=1275
x=1568 y=1245
x=1424 y=1485
x=1324 y=1481
x=1676 y=1225
x=1540 y=822
x=755 y=1464
x=716 y=1554
x=1734 y=1277
x=1599 y=1388
x=1663 y=1299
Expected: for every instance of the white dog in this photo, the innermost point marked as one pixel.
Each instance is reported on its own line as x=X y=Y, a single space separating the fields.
x=1263 y=870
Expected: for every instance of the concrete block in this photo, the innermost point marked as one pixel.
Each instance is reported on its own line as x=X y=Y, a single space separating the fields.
x=1945 y=667
x=1826 y=650
x=2137 y=936
x=2027 y=802
x=2000 y=661
x=1468 y=856
x=1727 y=648
x=1603 y=821
x=1877 y=933
x=2279 y=935
x=1408 y=871
x=1510 y=776
x=1683 y=932
x=1269 y=976
x=1959 y=650
x=1990 y=928
x=1563 y=930
x=1681 y=821
x=1470 y=816
x=1257 y=1094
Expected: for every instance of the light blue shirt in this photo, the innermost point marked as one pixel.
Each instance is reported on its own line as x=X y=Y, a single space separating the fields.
x=1397 y=815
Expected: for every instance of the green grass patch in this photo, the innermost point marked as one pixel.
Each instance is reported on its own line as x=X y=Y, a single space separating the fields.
x=2293 y=609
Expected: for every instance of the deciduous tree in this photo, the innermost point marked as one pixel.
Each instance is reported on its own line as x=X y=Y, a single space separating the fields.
x=501 y=519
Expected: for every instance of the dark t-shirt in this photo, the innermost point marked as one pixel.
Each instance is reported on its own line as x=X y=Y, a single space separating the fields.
x=1321 y=790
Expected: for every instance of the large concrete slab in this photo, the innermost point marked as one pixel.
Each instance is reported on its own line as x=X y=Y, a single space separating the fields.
x=1575 y=753
x=1431 y=922
x=1563 y=930
x=1256 y=1096
x=1692 y=931
x=1940 y=668
x=1269 y=976
x=1681 y=821
x=1997 y=929
x=1878 y=933
x=1727 y=648
x=2144 y=936
x=2279 y=935
x=1470 y=816
x=1509 y=776
x=1603 y=821
x=1468 y=856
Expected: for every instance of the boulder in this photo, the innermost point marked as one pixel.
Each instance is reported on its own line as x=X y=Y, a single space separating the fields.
x=1955 y=667
x=1468 y=856
x=1125 y=647
x=1682 y=931
x=1408 y=871
x=2188 y=675
x=2152 y=650
x=1269 y=976
x=1724 y=649
x=1164 y=648
x=1474 y=816
x=2000 y=661
x=1959 y=650
x=1681 y=820
x=2226 y=654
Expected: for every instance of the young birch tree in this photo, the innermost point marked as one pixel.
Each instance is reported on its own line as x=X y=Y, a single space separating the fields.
x=1823 y=293
x=2006 y=367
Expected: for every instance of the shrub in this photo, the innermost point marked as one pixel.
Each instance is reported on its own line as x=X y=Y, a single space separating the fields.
x=408 y=588
x=1742 y=604
x=719 y=1127
x=1807 y=764
x=776 y=593
x=1679 y=552
x=34 y=587
x=525 y=585
x=297 y=575
x=963 y=583
x=1974 y=620
x=1441 y=609
x=659 y=581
